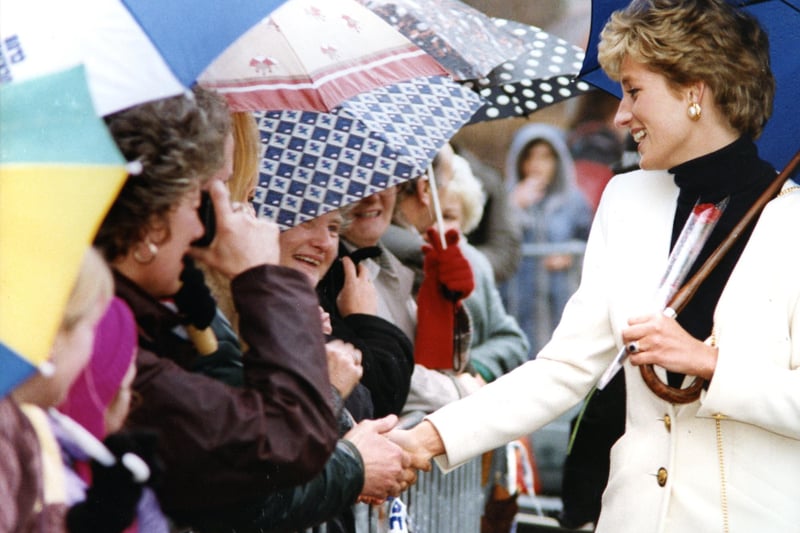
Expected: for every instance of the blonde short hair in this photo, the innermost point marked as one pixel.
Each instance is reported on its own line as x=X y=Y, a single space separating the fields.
x=701 y=40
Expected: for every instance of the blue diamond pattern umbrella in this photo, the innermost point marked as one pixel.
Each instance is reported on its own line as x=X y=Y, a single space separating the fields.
x=313 y=163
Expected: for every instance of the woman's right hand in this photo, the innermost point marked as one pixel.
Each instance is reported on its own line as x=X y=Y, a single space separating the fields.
x=422 y=443
x=358 y=294
x=242 y=241
x=526 y=193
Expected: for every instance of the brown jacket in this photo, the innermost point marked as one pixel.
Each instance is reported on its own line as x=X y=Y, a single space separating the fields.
x=221 y=444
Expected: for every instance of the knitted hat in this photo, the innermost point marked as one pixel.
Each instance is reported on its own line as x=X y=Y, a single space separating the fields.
x=114 y=348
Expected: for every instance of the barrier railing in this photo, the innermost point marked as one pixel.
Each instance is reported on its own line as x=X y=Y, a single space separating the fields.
x=539 y=288
x=437 y=503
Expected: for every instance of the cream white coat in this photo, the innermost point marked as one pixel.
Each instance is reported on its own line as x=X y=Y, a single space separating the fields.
x=755 y=445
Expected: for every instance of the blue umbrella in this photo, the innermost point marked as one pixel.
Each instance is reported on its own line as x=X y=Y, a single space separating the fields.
x=190 y=34
x=313 y=162
x=781 y=19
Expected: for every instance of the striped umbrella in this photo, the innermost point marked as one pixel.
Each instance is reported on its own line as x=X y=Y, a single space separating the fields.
x=134 y=51
x=59 y=173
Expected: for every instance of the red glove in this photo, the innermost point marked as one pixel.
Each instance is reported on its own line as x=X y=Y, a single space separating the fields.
x=447 y=280
x=454 y=270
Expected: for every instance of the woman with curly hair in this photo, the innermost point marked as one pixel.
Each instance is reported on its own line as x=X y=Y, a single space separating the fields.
x=220 y=444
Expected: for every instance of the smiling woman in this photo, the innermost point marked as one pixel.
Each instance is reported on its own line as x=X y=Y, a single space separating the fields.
x=248 y=439
x=311 y=247
x=694 y=105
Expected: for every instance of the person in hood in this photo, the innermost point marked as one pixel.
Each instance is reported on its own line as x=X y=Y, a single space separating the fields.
x=549 y=209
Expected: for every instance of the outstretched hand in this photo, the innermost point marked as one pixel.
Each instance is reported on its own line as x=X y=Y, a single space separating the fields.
x=387 y=467
x=422 y=443
x=242 y=241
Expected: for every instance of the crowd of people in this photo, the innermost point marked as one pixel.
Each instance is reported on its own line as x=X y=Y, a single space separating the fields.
x=245 y=378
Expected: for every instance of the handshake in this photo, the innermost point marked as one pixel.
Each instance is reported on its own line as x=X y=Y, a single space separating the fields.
x=392 y=456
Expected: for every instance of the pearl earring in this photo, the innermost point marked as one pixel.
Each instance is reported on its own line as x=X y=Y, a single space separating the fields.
x=695 y=111
x=152 y=249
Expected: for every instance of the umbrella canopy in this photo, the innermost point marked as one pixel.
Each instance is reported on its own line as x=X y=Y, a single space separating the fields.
x=59 y=172
x=464 y=40
x=544 y=75
x=313 y=55
x=313 y=163
x=781 y=19
x=134 y=50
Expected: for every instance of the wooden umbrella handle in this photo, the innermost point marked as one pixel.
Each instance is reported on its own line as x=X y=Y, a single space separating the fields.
x=669 y=393
x=682 y=297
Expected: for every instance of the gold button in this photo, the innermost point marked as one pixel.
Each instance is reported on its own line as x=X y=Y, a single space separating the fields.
x=662 y=476
x=667 y=422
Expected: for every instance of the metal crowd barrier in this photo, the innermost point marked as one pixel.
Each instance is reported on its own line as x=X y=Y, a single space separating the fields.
x=542 y=330
x=437 y=503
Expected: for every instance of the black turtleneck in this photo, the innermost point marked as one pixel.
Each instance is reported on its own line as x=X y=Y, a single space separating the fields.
x=734 y=171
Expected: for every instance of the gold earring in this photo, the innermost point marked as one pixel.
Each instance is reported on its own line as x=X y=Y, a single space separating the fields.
x=152 y=249
x=695 y=111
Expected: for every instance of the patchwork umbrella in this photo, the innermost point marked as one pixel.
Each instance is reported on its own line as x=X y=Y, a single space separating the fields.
x=313 y=163
x=59 y=172
x=313 y=55
x=463 y=39
x=134 y=50
x=781 y=19
x=542 y=76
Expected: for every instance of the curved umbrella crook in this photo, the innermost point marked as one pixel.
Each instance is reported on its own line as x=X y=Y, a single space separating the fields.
x=682 y=297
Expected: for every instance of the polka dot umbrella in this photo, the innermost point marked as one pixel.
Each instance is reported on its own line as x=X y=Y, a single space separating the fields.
x=544 y=75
